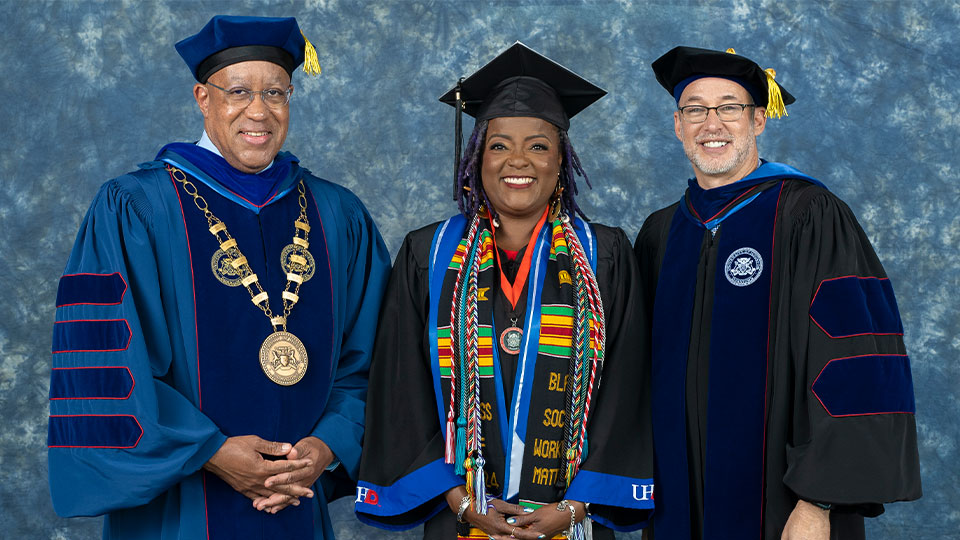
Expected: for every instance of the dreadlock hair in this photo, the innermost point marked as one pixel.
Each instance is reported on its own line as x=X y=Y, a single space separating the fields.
x=470 y=185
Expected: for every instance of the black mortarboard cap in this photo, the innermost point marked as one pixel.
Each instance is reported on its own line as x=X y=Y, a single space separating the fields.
x=520 y=82
x=683 y=65
x=523 y=82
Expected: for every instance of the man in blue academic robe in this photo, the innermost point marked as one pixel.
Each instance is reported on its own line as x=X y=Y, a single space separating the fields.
x=782 y=396
x=215 y=320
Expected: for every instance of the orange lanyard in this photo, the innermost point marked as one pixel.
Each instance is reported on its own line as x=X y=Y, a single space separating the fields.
x=513 y=290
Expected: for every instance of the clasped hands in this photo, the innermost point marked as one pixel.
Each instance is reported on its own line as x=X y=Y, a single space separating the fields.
x=505 y=521
x=272 y=484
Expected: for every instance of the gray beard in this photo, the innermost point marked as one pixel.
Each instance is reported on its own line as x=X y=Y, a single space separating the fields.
x=708 y=166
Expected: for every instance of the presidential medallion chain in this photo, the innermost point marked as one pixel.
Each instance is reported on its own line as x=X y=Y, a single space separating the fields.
x=283 y=357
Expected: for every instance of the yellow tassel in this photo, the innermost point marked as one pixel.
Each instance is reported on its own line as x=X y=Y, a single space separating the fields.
x=775 y=106
x=468 y=465
x=311 y=65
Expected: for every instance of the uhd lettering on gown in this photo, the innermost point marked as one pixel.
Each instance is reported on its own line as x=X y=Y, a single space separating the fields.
x=367 y=495
x=642 y=492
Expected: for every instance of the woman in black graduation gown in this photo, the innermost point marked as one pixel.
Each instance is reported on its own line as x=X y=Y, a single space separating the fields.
x=486 y=416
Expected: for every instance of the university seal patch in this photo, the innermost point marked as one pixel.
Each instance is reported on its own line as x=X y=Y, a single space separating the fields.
x=743 y=267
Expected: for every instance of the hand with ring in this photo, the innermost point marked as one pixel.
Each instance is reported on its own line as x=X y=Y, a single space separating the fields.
x=547 y=521
x=496 y=522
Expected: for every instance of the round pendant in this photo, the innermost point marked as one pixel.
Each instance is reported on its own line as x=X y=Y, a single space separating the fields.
x=304 y=269
x=223 y=270
x=510 y=339
x=283 y=358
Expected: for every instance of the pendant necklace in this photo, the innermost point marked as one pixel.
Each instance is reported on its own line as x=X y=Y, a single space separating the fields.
x=283 y=357
x=512 y=337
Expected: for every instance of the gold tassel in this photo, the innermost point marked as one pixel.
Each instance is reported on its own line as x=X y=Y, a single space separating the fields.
x=311 y=65
x=775 y=106
x=468 y=466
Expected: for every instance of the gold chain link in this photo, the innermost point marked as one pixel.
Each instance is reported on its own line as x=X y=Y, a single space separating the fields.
x=217 y=227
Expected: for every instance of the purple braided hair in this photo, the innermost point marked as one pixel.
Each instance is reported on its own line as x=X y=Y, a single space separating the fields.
x=470 y=185
x=569 y=166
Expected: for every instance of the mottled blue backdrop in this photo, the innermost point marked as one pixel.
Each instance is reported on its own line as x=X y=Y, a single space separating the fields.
x=91 y=88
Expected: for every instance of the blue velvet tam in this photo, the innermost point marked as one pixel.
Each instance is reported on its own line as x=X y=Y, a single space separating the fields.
x=682 y=65
x=227 y=40
x=759 y=96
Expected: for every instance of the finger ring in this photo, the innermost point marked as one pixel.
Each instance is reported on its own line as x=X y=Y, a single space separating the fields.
x=513 y=531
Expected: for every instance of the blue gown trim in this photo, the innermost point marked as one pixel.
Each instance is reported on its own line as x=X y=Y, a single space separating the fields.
x=445 y=241
x=91 y=289
x=91 y=335
x=736 y=405
x=768 y=170
x=282 y=188
x=94 y=431
x=866 y=385
x=732 y=489
x=255 y=188
x=91 y=383
x=612 y=490
x=415 y=489
x=851 y=306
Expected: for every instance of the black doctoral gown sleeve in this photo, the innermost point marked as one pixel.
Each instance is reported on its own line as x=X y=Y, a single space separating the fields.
x=402 y=473
x=842 y=388
x=616 y=477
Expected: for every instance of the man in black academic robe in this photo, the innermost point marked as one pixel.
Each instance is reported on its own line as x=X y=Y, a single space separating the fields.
x=782 y=396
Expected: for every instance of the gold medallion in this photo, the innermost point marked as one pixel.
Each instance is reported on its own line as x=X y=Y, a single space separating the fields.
x=222 y=265
x=283 y=358
x=304 y=266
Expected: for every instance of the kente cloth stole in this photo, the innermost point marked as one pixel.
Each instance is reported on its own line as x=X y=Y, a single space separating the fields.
x=522 y=442
x=733 y=471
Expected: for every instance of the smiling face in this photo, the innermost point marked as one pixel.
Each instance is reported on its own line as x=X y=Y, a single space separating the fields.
x=521 y=165
x=248 y=135
x=720 y=152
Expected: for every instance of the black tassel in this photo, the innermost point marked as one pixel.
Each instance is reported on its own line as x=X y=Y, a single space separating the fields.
x=457 y=139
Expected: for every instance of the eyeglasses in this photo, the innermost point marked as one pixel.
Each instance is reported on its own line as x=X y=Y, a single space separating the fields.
x=242 y=97
x=728 y=112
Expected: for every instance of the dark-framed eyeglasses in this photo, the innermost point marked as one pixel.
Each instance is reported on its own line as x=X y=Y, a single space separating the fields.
x=727 y=112
x=242 y=97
